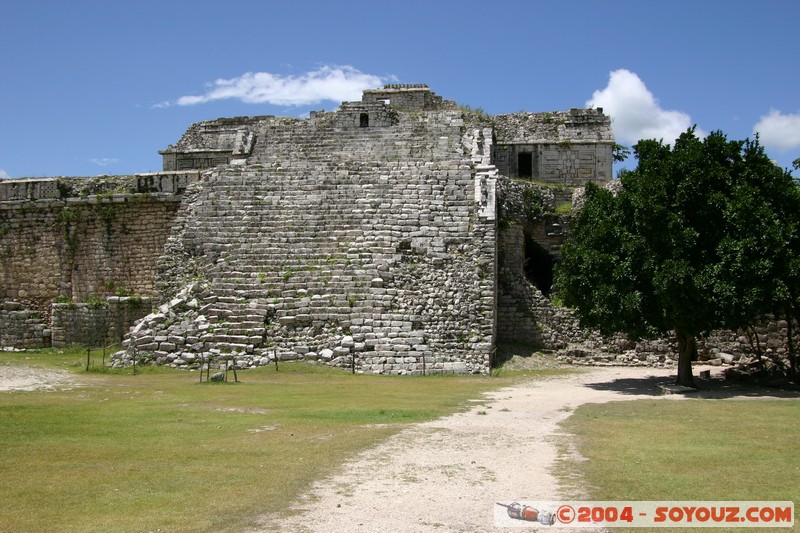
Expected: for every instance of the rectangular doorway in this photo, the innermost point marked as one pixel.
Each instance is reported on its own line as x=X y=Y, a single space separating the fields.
x=525 y=164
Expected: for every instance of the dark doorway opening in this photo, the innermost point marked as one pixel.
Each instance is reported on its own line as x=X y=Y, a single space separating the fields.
x=538 y=266
x=525 y=164
x=365 y=120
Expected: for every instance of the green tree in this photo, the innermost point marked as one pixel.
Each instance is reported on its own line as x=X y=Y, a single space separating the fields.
x=620 y=152
x=695 y=241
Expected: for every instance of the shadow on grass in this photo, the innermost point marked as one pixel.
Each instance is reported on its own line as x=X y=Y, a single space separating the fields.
x=714 y=388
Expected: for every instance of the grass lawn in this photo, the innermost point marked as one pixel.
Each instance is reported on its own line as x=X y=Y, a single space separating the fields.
x=159 y=450
x=688 y=450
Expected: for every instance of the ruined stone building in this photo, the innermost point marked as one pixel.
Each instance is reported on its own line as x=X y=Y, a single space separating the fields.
x=399 y=233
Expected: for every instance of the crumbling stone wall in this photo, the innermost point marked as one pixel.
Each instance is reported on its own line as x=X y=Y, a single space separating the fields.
x=101 y=323
x=407 y=97
x=22 y=326
x=74 y=239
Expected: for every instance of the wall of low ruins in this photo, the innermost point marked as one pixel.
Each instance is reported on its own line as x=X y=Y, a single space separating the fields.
x=73 y=239
x=103 y=322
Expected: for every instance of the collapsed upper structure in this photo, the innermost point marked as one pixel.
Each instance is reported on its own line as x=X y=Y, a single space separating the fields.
x=367 y=236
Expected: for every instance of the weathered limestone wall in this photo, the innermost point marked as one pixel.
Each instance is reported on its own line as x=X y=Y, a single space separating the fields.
x=80 y=238
x=22 y=326
x=406 y=97
x=96 y=324
x=524 y=314
x=77 y=249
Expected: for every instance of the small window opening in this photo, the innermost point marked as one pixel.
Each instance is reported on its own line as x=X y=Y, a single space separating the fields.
x=365 y=120
x=525 y=164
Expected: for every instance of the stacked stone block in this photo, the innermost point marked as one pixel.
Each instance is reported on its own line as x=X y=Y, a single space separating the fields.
x=22 y=326
x=101 y=323
x=347 y=245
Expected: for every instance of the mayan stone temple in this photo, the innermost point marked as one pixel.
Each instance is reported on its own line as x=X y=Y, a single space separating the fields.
x=401 y=233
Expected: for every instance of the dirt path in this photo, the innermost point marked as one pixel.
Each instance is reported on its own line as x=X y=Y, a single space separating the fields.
x=446 y=475
x=16 y=377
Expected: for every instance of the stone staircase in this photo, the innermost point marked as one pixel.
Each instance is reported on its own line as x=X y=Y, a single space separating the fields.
x=311 y=247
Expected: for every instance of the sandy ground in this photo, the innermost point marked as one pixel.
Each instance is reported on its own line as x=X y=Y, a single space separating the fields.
x=14 y=377
x=447 y=475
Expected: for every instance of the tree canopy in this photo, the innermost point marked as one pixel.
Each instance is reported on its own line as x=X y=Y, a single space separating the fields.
x=702 y=235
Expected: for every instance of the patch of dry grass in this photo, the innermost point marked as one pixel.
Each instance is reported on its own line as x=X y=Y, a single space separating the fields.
x=159 y=450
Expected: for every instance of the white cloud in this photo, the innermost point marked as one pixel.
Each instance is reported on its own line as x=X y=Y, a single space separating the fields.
x=636 y=113
x=3 y=174
x=103 y=161
x=778 y=131
x=338 y=84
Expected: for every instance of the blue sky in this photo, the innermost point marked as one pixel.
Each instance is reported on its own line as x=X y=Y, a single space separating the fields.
x=98 y=87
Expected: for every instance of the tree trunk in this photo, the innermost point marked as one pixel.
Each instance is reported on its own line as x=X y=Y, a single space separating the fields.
x=790 y=343
x=686 y=348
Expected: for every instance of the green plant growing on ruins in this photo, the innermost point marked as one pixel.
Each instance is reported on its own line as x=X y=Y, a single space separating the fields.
x=96 y=301
x=122 y=290
x=68 y=215
x=262 y=277
x=563 y=208
x=534 y=203
x=351 y=301
x=287 y=275
x=108 y=213
x=66 y=220
x=64 y=189
x=474 y=112
x=135 y=302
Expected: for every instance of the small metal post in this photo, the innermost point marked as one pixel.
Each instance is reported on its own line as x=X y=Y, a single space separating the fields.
x=88 y=354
